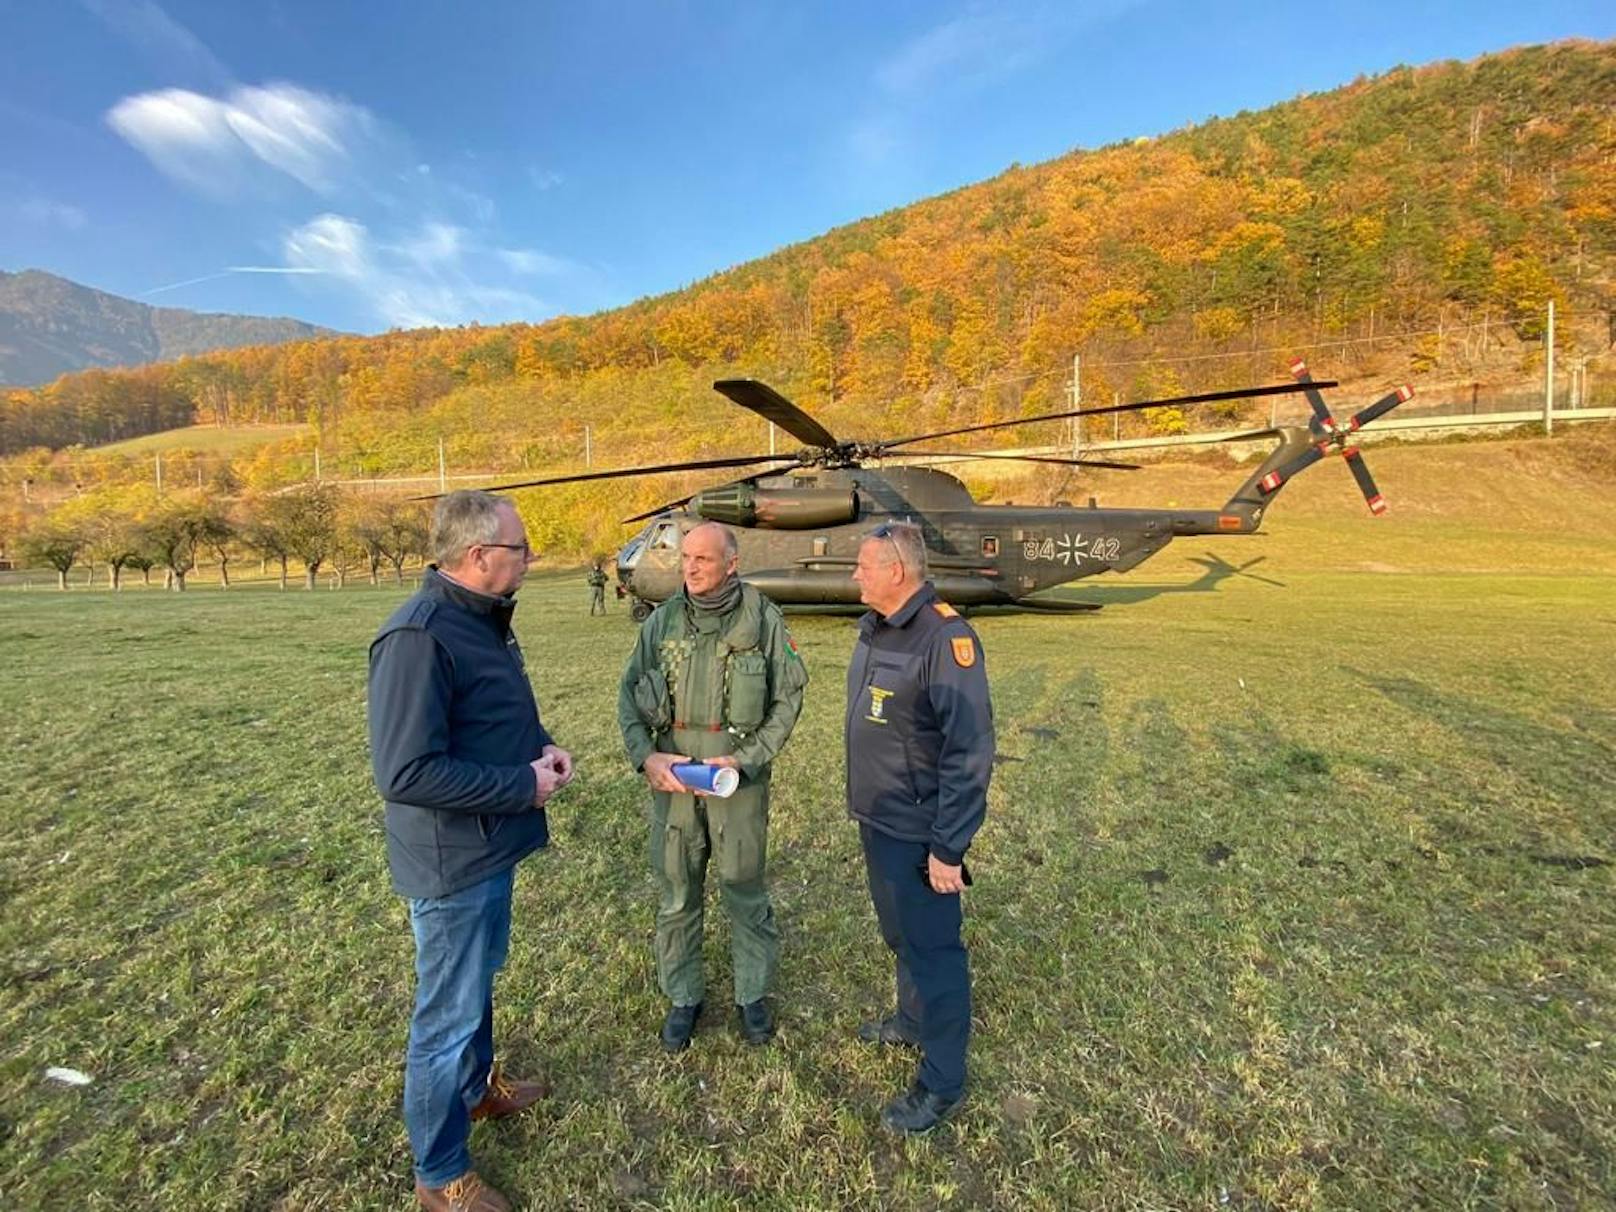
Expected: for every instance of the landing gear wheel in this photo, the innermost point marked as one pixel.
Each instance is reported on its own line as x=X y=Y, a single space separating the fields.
x=640 y=610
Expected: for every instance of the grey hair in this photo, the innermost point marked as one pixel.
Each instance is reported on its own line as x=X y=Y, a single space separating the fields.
x=908 y=545
x=731 y=547
x=463 y=519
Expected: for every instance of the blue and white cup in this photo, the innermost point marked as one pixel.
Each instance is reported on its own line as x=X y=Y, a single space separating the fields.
x=707 y=780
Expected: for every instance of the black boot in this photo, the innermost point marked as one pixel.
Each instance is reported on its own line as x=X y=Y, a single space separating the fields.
x=917 y=1111
x=679 y=1026
x=757 y=1023
x=887 y=1031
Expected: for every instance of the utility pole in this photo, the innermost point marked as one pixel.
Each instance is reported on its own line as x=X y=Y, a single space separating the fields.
x=589 y=453
x=159 y=473
x=1077 y=403
x=1548 y=373
x=771 y=437
x=443 y=472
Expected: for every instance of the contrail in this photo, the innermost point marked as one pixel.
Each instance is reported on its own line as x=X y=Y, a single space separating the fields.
x=234 y=269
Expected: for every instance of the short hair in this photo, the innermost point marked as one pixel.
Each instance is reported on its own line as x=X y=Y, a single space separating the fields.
x=463 y=519
x=908 y=546
x=725 y=534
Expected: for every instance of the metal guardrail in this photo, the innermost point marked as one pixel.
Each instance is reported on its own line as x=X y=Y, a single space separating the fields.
x=1382 y=427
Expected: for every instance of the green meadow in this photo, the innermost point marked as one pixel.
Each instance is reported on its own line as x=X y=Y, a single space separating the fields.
x=1295 y=892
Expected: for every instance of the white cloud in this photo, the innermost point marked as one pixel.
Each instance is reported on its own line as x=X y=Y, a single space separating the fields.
x=532 y=261
x=979 y=43
x=43 y=212
x=436 y=244
x=544 y=179
x=163 y=41
x=215 y=144
x=981 y=47
x=420 y=281
x=333 y=244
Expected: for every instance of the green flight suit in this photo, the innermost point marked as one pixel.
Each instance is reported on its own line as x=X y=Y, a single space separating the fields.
x=706 y=685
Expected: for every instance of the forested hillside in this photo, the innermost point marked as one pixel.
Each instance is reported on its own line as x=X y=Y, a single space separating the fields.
x=1413 y=224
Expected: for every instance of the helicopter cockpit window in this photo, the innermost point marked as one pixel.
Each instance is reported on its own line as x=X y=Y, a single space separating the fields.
x=630 y=555
x=990 y=545
x=666 y=537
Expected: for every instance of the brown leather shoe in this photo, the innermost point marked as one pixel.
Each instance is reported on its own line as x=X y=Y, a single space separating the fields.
x=468 y=1193
x=508 y=1096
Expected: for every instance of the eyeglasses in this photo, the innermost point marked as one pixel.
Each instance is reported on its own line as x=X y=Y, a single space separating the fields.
x=886 y=531
x=522 y=547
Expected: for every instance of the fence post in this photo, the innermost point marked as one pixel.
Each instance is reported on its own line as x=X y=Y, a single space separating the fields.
x=1548 y=373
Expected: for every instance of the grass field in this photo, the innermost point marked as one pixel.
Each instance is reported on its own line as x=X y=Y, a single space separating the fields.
x=1295 y=892
x=206 y=439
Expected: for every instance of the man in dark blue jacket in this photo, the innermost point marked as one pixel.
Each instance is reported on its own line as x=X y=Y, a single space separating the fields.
x=465 y=767
x=919 y=735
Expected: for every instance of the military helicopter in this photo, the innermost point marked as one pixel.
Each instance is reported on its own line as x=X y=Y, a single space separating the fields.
x=799 y=521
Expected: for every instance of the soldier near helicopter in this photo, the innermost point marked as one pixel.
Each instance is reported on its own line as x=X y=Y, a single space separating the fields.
x=597 y=589
x=714 y=677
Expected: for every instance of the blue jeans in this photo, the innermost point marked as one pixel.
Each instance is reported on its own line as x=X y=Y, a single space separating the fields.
x=460 y=942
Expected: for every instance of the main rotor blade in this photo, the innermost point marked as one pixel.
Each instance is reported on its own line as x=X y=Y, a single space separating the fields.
x=1205 y=397
x=658 y=469
x=983 y=454
x=651 y=513
x=1366 y=482
x=772 y=406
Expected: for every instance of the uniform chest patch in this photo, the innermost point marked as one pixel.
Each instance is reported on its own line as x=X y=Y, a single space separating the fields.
x=878 y=703
x=964 y=651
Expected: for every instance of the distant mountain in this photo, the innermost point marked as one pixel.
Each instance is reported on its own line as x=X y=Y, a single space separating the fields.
x=50 y=326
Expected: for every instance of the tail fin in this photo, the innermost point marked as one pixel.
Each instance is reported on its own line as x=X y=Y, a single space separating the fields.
x=1284 y=461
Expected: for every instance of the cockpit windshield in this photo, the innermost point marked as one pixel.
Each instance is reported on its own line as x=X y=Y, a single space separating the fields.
x=632 y=550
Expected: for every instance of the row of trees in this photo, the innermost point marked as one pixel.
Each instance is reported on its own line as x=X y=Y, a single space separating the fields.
x=318 y=527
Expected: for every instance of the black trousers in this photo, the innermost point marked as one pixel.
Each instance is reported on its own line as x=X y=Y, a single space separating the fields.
x=922 y=928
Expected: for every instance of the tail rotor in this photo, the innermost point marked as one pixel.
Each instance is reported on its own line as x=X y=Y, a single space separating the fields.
x=1329 y=438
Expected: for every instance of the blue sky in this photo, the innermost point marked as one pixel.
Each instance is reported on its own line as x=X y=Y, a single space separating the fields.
x=372 y=165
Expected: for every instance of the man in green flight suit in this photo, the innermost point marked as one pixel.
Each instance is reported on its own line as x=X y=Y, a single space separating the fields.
x=714 y=677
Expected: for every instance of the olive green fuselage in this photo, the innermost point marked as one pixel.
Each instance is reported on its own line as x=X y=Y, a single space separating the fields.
x=799 y=533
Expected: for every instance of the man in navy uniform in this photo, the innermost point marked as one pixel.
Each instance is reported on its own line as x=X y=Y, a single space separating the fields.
x=919 y=735
x=465 y=766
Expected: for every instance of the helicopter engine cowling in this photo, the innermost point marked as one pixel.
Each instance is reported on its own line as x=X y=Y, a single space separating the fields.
x=776 y=508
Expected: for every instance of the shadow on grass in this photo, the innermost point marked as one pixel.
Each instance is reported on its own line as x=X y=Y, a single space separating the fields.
x=1217 y=571
x=1572 y=762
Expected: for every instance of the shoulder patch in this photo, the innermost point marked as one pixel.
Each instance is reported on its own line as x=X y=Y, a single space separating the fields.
x=944 y=609
x=964 y=651
x=791 y=649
